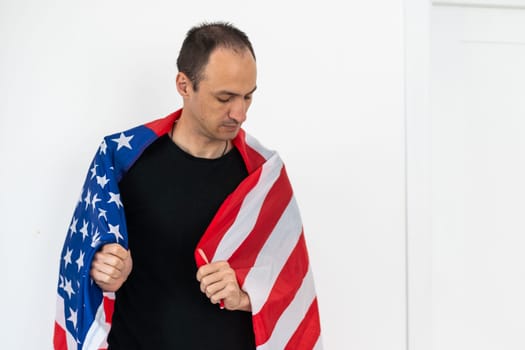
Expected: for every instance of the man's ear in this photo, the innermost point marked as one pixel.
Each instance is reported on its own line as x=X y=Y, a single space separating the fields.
x=183 y=83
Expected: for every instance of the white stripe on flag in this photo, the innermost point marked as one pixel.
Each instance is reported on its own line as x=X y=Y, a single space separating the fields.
x=293 y=315
x=98 y=331
x=319 y=344
x=109 y=295
x=256 y=145
x=273 y=255
x=61 y=320
x=249 y=212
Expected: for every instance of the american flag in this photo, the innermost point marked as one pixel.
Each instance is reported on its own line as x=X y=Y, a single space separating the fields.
x=257 y=229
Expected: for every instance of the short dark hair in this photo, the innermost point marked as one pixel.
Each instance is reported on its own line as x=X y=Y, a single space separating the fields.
x=200 y=42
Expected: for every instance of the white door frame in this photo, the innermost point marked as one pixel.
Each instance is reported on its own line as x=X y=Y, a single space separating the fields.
x=418 y=151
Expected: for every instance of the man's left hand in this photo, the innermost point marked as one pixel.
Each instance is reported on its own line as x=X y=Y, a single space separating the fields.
x=219 y=282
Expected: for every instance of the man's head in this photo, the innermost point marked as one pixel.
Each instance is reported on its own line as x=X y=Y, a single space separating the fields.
x=202 y=40
x=216 y=80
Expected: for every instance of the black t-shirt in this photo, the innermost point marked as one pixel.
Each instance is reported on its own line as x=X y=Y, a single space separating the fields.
x=169 y=199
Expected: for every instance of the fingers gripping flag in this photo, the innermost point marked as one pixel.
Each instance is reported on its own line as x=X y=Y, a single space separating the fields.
x=257 y=229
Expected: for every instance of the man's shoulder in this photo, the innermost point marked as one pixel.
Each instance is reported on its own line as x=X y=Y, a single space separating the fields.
x=158 y=126
x=253 y=143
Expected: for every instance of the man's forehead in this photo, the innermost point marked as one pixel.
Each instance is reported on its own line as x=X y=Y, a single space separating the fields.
x=224 y=56
x=228 y=72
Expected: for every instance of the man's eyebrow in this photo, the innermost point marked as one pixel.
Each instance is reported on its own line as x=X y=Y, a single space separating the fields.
x=226 y=92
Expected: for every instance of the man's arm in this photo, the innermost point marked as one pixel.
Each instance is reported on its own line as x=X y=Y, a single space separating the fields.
x=111 y=267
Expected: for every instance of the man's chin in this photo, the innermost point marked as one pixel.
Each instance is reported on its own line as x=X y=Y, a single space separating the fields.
x=231 y=131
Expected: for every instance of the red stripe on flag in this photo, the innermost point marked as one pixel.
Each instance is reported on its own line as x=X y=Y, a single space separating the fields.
x=163 y=125
x=59 y=338
x=290 y=278
x=271 y=211
x=252 y=158
x=225 y=216
x=109 y=306
x=308 y=331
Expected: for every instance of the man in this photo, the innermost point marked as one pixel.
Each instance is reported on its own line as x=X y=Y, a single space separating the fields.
x=199 y=190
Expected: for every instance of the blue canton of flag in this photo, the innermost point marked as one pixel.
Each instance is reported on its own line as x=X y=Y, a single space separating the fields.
x=98 y=219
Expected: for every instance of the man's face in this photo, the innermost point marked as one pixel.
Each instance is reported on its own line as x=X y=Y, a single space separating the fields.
x=219 y=106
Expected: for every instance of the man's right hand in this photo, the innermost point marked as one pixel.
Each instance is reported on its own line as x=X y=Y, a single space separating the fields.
x=111 y=267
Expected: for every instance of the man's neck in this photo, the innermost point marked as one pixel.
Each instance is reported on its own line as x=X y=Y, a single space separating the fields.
x=191 y=141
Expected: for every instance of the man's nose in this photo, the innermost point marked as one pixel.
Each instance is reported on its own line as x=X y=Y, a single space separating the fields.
x=238 y=110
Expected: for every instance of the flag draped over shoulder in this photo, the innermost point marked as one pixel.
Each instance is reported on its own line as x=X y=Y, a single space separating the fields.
x=257 y=229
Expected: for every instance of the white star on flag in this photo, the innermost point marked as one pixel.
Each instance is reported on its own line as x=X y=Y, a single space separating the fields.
x=73 y=317
x=123 y=141
x=115 y=230
x=84 y=229
x=115 y=198
x=93 y=170
x=80 y=260
x=102 y=213
x=95 y=239
x=102 y=180
x=103 y=147
x=68 y=289
x=88 y=199
x=67 y=257
x=73 y=226
x=94 y=201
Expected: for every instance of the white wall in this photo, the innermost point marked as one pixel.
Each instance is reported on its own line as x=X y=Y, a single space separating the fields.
x=478 y=167
x=330 y=99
